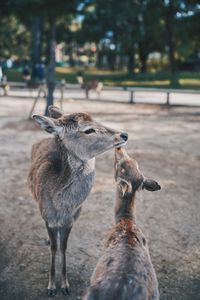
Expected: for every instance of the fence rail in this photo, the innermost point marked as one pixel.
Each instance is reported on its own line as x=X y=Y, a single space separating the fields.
x=133 y=90
x=130 y=90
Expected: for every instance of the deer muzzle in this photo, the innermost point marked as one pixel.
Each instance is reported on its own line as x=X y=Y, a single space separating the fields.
x=121 y=139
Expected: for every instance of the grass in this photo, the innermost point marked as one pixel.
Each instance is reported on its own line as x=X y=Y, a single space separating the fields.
x=182 y=80
x=14 y=75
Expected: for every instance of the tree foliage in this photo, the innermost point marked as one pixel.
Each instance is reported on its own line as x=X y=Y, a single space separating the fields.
x=14 y=38
x=169 y=26
x=125 y=29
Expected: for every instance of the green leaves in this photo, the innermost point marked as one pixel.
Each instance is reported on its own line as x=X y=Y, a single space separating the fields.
x=14 y=38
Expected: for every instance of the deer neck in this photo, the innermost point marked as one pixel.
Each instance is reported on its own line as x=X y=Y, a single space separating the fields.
x=125 y=207
x=74 y=163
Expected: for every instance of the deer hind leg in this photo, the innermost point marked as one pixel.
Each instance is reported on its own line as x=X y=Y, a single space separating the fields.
x=64 y=235
x=52 y=232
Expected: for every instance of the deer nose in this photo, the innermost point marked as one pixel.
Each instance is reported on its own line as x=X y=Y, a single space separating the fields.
x=124 y=136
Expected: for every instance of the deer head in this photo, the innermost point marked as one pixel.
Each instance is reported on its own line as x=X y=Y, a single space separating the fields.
x=81 y=135
x=128 y=175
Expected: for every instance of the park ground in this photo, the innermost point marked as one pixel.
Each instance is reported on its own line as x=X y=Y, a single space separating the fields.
x=166 y=143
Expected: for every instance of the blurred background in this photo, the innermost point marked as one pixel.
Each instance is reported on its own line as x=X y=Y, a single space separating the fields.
x=128 y=43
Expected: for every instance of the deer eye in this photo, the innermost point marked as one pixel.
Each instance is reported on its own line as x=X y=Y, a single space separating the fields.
x=89 y=131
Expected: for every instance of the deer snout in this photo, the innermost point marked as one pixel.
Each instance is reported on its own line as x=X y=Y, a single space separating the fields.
x=124 y=136
x=121 y=139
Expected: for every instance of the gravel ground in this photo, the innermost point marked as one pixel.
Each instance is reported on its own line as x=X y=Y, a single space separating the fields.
x=166 y=143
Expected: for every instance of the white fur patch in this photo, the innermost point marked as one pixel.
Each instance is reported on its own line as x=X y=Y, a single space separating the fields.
x=90 y=166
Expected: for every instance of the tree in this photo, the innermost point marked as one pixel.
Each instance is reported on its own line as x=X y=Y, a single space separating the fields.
x=14 y=37
x=130 y=25
x=181 y=27
x=50 y=13
x=169 y=13
x=37 y=23
x=187 y=32
x=117 y=21
x=150 y=27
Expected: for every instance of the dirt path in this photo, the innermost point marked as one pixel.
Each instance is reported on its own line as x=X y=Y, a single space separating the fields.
x=166 y=143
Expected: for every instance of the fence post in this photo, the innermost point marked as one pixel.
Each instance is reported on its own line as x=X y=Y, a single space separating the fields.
x=131 y=96
x=168 y=93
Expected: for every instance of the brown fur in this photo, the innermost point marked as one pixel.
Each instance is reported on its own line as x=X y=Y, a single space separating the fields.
x=76 y=118
x=90 y=85
x=62 y=174
x=124 y=271
x=125 y=229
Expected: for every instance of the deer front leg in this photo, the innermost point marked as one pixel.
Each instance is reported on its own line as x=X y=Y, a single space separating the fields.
x=52 y=232
x=64 y=234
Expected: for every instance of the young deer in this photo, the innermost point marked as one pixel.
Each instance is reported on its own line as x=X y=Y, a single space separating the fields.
x=62 y=174
x=124 y=270
x=90 y=85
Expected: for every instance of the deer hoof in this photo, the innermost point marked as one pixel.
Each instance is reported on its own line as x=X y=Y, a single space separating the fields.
x=65 y=291
x=51 y=292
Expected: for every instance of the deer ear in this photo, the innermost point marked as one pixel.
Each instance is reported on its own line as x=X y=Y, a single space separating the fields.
x=124 y=186
x=48 y=124
x=54 y=112
x=151 y=185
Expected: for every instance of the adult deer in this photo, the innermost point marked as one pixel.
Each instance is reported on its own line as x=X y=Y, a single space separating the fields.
x=62 y=174
x=90 y=85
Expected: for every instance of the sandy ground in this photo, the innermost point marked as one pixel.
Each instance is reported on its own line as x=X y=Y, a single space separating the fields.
x=166 y=143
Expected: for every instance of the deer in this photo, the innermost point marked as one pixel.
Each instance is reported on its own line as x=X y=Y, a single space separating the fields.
x=90 y=85
x=124 y=270
x=62 y=174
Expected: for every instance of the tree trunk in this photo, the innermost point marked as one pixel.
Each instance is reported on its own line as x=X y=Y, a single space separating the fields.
x=51 y=64
x=111 y=60
x=170 y=34
x=99 y=63
x=144 y=65
x=36 y=42
x=131 y=62
x=143 y=58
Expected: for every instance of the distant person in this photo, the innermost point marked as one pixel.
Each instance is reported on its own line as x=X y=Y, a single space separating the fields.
x=41 y=72
x=38 y=73
x=26 y=73
x=9 y=63
x=3 y=81
x=34 y=72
